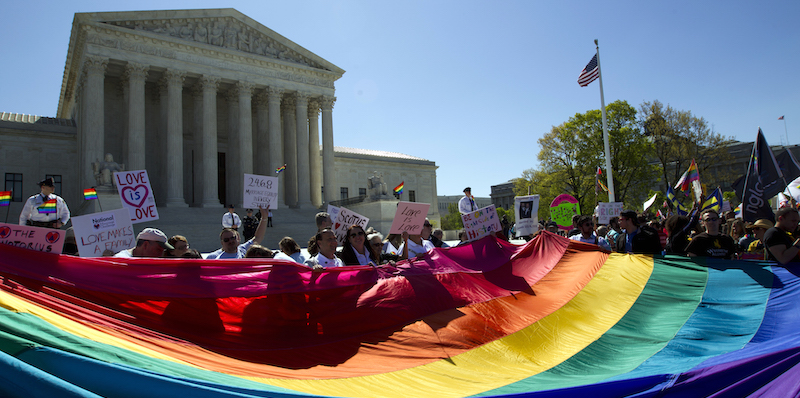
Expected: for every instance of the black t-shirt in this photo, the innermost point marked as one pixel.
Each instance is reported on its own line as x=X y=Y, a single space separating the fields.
x=719 y=246
x=775 y=237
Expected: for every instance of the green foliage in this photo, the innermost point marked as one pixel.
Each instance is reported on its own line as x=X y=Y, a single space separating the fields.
x=571 y=153
x=731 y=197
x=452 y=221
x=508 y=213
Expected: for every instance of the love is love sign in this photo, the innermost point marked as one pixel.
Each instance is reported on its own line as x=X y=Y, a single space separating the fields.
x=136 y=195
x=409 y=217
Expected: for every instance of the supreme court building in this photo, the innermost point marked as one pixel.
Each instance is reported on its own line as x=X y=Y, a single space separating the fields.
x=197 y=98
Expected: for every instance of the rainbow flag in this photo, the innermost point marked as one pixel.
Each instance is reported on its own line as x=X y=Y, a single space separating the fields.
x=280 y=169
x=5 y=198
x=89 y=194
x=399 y=189
x=48 y=207
x=692 y=174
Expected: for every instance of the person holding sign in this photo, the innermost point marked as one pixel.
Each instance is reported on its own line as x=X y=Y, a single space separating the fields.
x=467 y=203
x=355 y=251
x=415 y=245
x=45 y=209
x=325 y=246
x=230 y=239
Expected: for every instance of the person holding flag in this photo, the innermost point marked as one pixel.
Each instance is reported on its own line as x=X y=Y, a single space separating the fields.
x=45 y=209
x=466 y=204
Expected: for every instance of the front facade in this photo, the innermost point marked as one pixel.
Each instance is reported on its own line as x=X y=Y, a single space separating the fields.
x=197 y=98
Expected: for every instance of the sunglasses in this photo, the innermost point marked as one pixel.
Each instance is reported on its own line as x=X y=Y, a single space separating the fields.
x=711 y=219
x=353 y=235
x=426 y=225
x=226 y=240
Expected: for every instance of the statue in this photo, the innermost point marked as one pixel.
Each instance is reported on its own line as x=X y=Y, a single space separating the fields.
x=376 y=188
x=104 y=171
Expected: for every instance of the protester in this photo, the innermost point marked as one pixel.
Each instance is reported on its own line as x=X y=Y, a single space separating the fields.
x=635 y=238
x=437 y=238
x=678 y=229
x=587 y=234
x=70 y=244
x=231 y=219
x=289 y=250
x=575 y=230
x=355 y=250
x=552 y=226
x=150 y=242
x=462 y=237
x=613 y=231
x=230 y=239
x=467 y=203
x=326 y=244
x=391 y=243
x=180 y=244
x=711 y=243
x=414 y=246
x=736 y=230
x=759 y=229
x=323 y=221
x=780 y=241
x=192 y=253
x=38 y=212
x=602 y=231
x=258 y=251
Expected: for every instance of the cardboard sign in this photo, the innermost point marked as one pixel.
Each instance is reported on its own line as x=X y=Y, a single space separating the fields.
x=562 y=208
x=137 y=195
x=481 y=222
x=607 y=210
x=260 y=191
x=344 y=220
x=34 y=238
x=526 y=209
x=333 y=211
x=98 y=232
x=409 y=217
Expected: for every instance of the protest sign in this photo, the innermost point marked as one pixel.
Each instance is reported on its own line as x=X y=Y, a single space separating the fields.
x=33 y=238
x=526 y=209
x=344 y=220
x=98 y=232
x=260 y=191
x=333 y=211
x=481 y=222
x=137 y=195
x=409 y=217
x=562 y=208
x=606 y=210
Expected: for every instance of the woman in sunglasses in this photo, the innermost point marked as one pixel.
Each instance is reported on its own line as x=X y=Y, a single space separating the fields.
x=355 y=250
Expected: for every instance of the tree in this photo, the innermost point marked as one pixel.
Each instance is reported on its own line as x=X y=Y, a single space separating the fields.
x=571 y=153
x=680 y=137
x=452 y=221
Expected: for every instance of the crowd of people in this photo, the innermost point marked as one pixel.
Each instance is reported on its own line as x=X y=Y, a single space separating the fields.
x=705 y=234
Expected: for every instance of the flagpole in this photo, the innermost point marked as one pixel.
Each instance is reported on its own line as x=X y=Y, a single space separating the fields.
x=609 y=176
x=786 y=130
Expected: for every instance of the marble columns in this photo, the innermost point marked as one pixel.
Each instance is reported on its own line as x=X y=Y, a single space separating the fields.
x=290 y=151
x=209 y=151
x=93 y=116
x=313 y=153
x=245 y=91
x=303 y=180
x=135 y=74
x=275 y=139
x=328 y=176
x=174 y=81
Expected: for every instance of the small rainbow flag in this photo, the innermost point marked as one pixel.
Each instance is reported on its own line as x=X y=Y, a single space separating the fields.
x=89 y=194
x=279 y=169
x=399 y=189
x=48 y=207
x=5 y=198
x=690 y=175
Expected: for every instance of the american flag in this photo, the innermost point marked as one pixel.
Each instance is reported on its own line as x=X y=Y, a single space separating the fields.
x=589 y=73
x=780 y=118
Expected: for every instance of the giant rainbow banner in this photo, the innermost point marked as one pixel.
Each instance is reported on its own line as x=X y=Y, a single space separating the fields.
x=552 y=318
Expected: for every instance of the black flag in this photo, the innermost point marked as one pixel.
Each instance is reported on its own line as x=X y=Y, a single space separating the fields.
x=763 y=180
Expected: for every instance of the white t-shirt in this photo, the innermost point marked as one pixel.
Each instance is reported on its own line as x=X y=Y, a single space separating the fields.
x=324 y=261
x=415 y=249
x=600 y=241
x=220 y=254
x=297 y=257
x=127 y=253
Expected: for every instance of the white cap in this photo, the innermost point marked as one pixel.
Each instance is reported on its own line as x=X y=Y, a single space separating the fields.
x=154 y=235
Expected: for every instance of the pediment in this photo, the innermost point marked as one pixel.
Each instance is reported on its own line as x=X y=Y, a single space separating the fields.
x=224 y=28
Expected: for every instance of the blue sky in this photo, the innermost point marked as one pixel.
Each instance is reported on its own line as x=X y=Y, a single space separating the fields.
x=472 y=85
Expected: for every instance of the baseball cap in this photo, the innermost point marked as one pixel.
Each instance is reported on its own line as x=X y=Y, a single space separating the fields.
x=154 y=235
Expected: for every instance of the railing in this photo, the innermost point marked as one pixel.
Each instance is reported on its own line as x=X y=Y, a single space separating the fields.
x=348 y=201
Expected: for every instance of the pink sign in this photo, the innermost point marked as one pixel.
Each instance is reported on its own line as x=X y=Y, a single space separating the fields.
x=409 y=217
x=34 y=238
x=136 y=195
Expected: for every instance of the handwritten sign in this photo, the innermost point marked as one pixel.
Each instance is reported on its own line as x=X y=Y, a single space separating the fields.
x=527 y=214
x=260 y=191
x=562 y=208
x=98 y=232
x=409 y=217
x=344 y=220
x=481 y=222
x=137 y=195
x=607 y=210
x=333 y=211
x=34 y=238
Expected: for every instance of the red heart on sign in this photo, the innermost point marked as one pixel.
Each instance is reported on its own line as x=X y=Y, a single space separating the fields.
x=337 y=226
x=135 y=196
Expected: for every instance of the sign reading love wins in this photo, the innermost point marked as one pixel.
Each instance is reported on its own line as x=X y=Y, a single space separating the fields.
x=136 y=195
